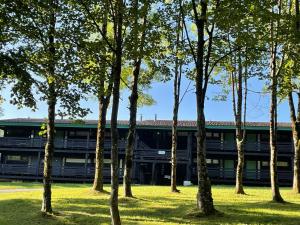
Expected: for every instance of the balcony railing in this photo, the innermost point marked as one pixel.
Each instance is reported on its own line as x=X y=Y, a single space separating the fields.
x=159 y=154
x=74 y=144
x=69 y=172
x=84 y=144
x=264 y=174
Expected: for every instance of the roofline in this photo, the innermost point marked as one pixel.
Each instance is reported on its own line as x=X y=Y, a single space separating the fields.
x=139 y=126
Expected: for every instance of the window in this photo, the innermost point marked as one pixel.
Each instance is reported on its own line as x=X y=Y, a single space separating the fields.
x=212 y=161
x=212 y=135
x=264 y=163
x=17 y=158
x=264 y=137
x=1 y=133
x=282 y=164
x=105 y=161
x=76 y=160
x=284 y=137
x=79 y=134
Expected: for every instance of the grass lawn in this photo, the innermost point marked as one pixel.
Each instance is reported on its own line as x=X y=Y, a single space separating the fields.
x=75 y=204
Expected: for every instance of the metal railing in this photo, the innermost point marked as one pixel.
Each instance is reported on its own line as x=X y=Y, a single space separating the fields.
x=74 y=144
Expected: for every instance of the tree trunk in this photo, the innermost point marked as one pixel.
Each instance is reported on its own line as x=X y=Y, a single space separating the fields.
x=176 y=91
x=51 y=101
x=139 y=51
x=204 y=196
x=103 y=99
x=295 y=122
x=49 y=149
x=240 y=135
x=174 y=142
x=273 y=129
x=114 y=208
x=131 y=132
x=98 y=179
x=240 y=166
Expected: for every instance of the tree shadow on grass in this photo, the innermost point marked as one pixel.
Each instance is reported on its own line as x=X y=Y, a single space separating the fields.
x=158 y=210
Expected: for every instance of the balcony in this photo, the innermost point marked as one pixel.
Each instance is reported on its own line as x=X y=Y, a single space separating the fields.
x=70 y=144
x=159 y=154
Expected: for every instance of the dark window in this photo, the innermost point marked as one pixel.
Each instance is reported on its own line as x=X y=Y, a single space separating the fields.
x=284 y=137
x=17 y=159
x=265 y=137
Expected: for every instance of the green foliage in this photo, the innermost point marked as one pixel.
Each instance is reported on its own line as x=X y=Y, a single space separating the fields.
x=28 y=60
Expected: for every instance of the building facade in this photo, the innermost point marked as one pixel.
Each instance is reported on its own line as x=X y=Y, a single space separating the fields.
x=22 y=151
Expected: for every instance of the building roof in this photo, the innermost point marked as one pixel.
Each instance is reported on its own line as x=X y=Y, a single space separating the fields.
x=147 y=124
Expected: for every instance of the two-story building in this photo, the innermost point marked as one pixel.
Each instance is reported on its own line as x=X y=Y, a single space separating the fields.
x=22 y=151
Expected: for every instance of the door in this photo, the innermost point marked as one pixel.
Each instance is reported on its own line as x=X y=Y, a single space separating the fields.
x=228 y=168
x=251 y=170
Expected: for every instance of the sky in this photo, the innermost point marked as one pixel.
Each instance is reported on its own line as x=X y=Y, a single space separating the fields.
x=258 y=105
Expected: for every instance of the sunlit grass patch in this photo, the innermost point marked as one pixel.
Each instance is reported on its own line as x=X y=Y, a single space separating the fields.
x=76 y=204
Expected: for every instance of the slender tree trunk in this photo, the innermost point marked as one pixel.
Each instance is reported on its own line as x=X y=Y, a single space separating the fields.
x=204 y=196
x=139 y=50
x=174 y=141
x=273 y=129
x=131 y=132
x=240 y=166
x=103 y=99
x=98 y=179
x=240 y=135
x=49 y=148
x=295 y=121
x=176 y=91
x=114 y=208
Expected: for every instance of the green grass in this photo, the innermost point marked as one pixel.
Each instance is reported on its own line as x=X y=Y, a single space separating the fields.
x=76 y=204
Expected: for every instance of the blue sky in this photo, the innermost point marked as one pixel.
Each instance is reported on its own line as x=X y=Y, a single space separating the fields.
x=258 y=105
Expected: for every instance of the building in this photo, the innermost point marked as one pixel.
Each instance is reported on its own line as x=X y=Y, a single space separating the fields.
x=22 y=151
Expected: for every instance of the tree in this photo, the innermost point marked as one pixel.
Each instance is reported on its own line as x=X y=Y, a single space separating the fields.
x=176 y=97
x=48 y=54
x=237 y=100
x=289 y=85
x=139 y=32
x=274 y=75
x=142 y=52
x=203 y=67
x=295 y=120
x=118 y=13
x=96 y=60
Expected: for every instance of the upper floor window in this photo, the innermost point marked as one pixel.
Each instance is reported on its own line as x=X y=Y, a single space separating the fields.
x=212 y=136
x=82 y=134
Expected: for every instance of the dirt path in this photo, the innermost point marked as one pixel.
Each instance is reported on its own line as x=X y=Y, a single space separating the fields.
x=19 y=190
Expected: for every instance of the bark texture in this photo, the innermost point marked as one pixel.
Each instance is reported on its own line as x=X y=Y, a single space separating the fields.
x=295 y=121
x=204 y=195
x=103 y=99
x=131 y=132
x=133 y=99
x=114 y=194
x=51 y=102
x=176 y=95
x=98 y=179
x=237 y=89
x=276 y=196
